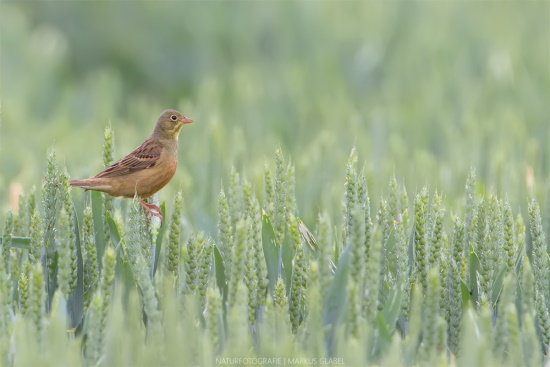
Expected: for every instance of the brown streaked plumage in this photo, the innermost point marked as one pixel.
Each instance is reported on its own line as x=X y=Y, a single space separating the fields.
x=147 y=169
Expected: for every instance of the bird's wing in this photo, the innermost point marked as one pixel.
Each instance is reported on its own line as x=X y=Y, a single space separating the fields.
x=145 y=156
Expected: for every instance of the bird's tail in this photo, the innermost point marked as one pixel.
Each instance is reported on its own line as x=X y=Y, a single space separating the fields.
x=80 y=183
x=90 y=184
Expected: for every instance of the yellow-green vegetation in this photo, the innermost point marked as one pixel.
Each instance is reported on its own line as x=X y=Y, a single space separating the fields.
x=365 y=183
x=360 y=293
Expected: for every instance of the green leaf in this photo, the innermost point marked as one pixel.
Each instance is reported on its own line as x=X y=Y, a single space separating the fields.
x=392 y=308
x=336 y=246
x=335 y=303
x=97 y=215
x=519 y=257
x=498 y=283
x=336 y=298
x=220 y=271
x=271 y=252
x=21 y=242
x=474 y=269
x=122 y=268
x=381 y=337
x=115 y=234
x=160 y=236
x=51 y=283
x=75 y=302
x=465 y=293
x=123 y=271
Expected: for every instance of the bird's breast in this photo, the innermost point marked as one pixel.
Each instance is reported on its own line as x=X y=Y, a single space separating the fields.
x=148 y=184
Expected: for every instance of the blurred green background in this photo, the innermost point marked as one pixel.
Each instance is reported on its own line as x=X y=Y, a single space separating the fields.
x=424 y=90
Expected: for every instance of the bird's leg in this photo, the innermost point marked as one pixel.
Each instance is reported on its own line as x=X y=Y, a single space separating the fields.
x=155 y=209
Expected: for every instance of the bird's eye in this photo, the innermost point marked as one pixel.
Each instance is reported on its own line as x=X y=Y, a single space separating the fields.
x=174 y=117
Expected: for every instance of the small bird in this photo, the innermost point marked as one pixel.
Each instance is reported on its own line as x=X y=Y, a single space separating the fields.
x=147 y=169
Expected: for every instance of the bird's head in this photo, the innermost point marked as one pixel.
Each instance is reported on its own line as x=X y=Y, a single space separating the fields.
x=169 y=124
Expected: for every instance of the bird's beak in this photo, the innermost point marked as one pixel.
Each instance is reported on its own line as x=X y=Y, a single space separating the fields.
x=186 y=120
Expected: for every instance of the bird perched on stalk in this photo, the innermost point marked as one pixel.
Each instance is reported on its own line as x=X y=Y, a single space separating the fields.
x=147 y=169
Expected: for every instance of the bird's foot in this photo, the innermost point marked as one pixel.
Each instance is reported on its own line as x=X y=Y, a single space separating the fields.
x=151 y=209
